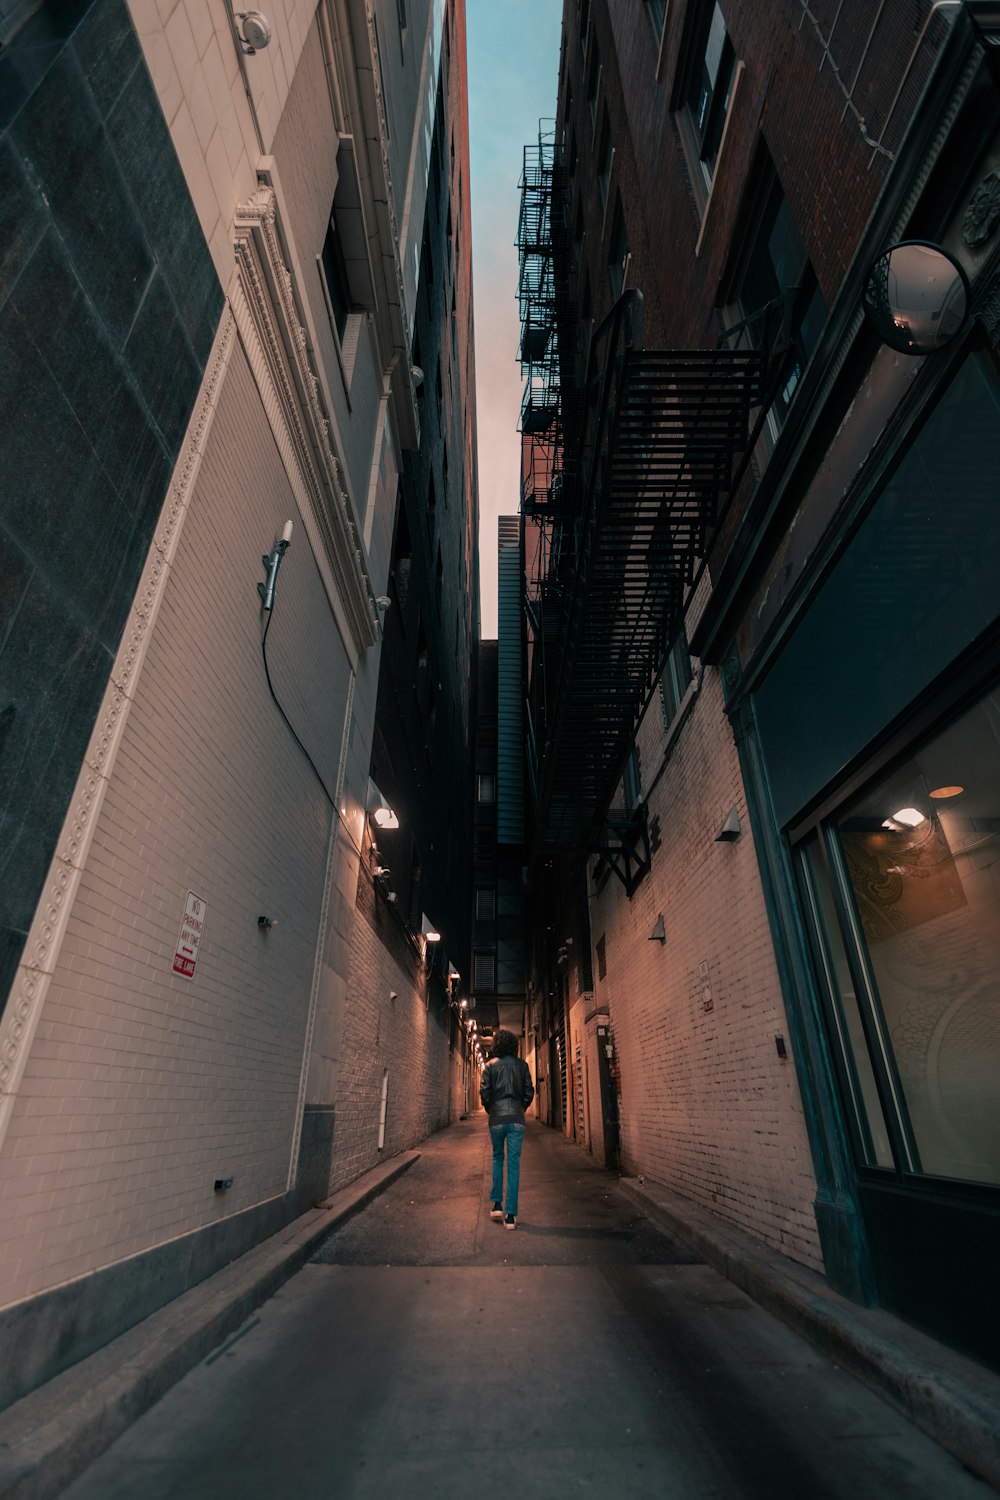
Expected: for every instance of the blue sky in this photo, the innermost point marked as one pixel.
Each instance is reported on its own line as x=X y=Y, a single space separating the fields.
x=513 y=75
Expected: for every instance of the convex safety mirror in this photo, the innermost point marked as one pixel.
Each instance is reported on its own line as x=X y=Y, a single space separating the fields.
x=917 y=297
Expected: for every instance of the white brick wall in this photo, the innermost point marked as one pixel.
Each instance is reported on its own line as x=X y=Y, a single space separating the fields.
x=141 y=1086
x=403 y=1036
x=189 y=50
x=706 y=1105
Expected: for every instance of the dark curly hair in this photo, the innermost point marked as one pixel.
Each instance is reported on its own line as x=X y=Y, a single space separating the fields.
x=505 y=1044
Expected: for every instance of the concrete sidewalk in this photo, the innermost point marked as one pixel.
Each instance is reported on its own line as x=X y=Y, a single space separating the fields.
x=953 y=1399
x=49 y=1437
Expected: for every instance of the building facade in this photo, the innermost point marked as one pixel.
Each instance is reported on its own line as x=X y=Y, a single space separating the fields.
x=210 y=273
x=755 y=618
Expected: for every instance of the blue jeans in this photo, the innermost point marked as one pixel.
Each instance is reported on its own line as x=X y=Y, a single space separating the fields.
x=513 y=1134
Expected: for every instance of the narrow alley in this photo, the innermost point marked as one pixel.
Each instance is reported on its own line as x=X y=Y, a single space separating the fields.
x=425 y=1351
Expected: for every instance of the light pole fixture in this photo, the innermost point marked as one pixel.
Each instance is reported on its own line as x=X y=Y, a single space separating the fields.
x=272 y=563
x=378 y=808
x=917 y=297
x=428 y=931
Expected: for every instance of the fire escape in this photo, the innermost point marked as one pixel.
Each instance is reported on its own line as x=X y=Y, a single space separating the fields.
x=623 y=481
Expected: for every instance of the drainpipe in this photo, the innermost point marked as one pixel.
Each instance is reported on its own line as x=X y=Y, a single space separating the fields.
x=382 y=1112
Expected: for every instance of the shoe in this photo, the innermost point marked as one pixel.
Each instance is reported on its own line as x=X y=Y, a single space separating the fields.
x=496 y=1212
x=510 y=1222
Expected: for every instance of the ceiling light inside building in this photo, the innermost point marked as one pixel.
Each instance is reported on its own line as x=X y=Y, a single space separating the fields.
x=905 y=817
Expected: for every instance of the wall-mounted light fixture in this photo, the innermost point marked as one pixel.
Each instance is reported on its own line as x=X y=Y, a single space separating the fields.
x=254 y=31
x=659 y=932
x=266 y=923
x=272 y=563
x=378 y=808
x=428 y=931
x=731 y=827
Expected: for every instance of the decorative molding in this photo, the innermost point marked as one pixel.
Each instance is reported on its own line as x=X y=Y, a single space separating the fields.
x=988 y=312
x=277 y=347
x=982 y=213
x=19 y=1022
x=383 y=141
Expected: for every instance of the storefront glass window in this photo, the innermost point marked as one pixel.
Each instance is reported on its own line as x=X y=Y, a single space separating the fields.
x=921 y=865
x=866 y=1108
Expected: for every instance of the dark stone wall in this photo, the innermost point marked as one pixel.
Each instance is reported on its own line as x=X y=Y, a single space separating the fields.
x=427 y=690
x=109 y=302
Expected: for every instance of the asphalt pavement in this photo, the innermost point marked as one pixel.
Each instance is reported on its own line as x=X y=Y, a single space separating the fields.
x=425 y=1351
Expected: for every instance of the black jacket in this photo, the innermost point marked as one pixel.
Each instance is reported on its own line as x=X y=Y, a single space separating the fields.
x=506 y=1089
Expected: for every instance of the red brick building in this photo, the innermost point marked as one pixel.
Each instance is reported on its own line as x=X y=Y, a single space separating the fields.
x=762 y=641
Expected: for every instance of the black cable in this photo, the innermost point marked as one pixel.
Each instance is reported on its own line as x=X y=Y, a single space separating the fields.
x=291 y=728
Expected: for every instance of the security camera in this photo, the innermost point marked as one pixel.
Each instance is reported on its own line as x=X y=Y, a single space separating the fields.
x=255 y=31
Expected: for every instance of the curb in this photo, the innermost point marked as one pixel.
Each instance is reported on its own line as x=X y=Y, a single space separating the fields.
x=951 y=1398
x=51 y=1435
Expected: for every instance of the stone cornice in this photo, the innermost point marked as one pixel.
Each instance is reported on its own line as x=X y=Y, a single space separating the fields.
x=290 y=389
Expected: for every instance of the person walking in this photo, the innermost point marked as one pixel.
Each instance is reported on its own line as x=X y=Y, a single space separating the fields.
x=506 y=1090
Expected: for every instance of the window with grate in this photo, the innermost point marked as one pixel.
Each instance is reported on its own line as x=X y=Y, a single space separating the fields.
x=602 y=957
x=486 y=903
x=487 y=787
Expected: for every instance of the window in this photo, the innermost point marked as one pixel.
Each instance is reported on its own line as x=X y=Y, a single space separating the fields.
x=403 y=551
x=675 y=679
x=602 y=958
x=709 y=76
x=484 y=973
x=910 y=968
x=486 y=903
x=487 y=787
x=584 y=20
x=656 y=10
x=605 y=155
x=617 y=251
x=593 y=83
x=338 y=286
x=771 y=259
x=631 y=782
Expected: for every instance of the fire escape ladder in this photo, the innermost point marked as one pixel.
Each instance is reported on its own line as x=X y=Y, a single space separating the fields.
x=660 y=440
